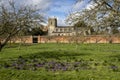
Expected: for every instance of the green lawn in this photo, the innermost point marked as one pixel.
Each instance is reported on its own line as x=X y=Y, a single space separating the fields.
x=60 y=62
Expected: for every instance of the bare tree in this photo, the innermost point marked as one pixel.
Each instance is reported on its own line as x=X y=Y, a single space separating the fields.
x=103 y=13
x=14 y=19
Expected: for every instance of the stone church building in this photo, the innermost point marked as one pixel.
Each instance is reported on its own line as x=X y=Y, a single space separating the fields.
x=65 y=34
x=54 y=30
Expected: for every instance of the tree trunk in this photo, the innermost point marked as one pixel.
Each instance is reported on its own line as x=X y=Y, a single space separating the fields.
x=0 y=47
x=2 y=44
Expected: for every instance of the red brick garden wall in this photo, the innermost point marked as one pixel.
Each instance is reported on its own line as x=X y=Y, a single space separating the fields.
x=68 y=39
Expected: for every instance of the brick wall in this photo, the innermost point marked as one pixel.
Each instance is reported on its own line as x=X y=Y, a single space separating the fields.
x=83 y=39
x=67 y=39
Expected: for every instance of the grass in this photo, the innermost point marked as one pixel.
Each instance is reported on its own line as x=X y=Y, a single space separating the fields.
x=84 y=62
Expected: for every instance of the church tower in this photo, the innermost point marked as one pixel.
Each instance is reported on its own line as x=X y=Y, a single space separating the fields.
x=52 y=23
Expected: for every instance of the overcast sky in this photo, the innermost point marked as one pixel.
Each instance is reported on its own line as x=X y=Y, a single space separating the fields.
x=55 y=8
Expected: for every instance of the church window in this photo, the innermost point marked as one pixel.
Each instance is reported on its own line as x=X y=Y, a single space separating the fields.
x=60 y=30
x=69 y=29
x=65 y=30
x=56 y=30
